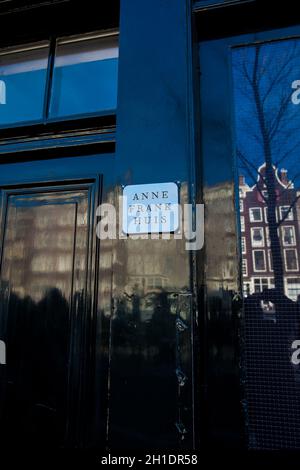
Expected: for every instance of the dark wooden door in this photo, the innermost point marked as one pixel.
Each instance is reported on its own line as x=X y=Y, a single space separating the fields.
x=48 y=248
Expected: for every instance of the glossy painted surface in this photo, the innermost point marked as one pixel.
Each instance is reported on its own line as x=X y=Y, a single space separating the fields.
x=43 y=275
x=135 y=325
x=230 y=126
x=133 y=319
x=151 y=364
x=58 y=79
x=49 y=317
x=56 y=295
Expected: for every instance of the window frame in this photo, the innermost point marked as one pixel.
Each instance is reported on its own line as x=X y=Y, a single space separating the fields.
x=270 y=261
x=253 y=243
x=244 y=267
x=290 y=214
x=244 y=245
x=260 y=280
x=283 y=227
x=17 y=128
x=242 y=223
x=285 y=259
x=250 y=214
x=253 y=259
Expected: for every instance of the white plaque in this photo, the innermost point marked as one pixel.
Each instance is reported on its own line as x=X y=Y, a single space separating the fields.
x=150 y=208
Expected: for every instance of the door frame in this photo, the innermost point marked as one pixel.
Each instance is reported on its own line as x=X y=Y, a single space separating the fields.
x=82 y=357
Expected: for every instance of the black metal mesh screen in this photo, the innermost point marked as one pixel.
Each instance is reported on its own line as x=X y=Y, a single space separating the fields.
x=266 y=83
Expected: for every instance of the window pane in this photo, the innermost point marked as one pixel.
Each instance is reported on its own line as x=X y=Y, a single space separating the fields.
x=259 y=260
x=286 y=213
x=255 y=214
x=257 y=236
x=291 y=260
x=288 y=235
x=22 y=83
x=244 y=267
x=85 y=76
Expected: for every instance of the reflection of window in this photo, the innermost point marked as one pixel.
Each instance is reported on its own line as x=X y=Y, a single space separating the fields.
x=155 y=282
x=259 y=260
x=286 y=213
x=23 y=74
x=255 y=214
x=268 y=236
x=293 y=288
x=244 y=267
x=243 y=243
x=260 y=283
x=246 y=289
x=257 y=236
x=241 y=205
x=266 y=214
x=270 y=260
x=85 y=75
x=291 y=260
x=242 y=223
x=288 y=235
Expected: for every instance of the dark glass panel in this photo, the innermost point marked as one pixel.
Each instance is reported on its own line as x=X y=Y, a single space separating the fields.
x=266 y=86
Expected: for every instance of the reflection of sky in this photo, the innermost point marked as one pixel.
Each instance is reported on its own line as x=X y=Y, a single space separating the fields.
x=84 y=82
x=278 y=65
x=24 y=97
x=84 y=88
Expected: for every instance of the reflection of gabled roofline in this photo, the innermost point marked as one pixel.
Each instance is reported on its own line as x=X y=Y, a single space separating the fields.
x=276 y=174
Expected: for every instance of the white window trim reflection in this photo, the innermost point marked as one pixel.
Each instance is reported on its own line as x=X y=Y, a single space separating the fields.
x=268 y=242
x=241 y=205
x=243 y=245
x=285 y=259
x=255 y=243
x=266 y=214
x=293 y=235
x=259 y=280
x=270 y=260
x=290 y=215
x=251 y=214
x=254 y=265
x=244 y=267
x=242 y=222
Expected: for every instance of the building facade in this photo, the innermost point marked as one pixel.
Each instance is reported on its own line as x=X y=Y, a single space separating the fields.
x=257 y=261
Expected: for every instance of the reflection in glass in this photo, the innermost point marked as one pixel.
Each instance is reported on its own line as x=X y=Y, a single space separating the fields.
x=267 y=131
x=85 y=76
x=41 y=278
x=22 y=83
x=267 y=124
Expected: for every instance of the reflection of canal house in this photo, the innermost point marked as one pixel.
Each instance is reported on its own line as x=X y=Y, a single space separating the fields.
x=255 y=244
